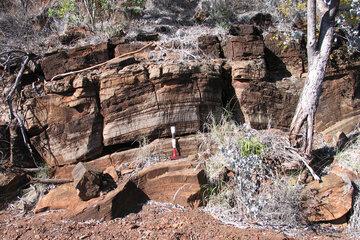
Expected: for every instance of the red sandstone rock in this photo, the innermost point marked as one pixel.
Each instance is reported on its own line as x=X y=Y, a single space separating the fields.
x=145 y=101
x=178 y=182
x=63 y=61
x=328 y=200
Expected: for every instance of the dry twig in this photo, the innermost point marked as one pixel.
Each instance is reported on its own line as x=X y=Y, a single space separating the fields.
x=101 y=64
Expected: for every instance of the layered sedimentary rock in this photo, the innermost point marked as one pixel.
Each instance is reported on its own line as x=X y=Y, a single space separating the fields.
x=145 y=100
x=99 y=113
x=78 y=115
x=268 y=75
x=66 y=121
x=122 y=159
x=63 y=61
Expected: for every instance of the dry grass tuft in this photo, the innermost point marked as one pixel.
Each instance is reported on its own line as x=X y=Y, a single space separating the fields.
x=349 y=156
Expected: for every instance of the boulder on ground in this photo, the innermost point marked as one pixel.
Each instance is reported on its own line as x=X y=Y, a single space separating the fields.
x=328 y=200
x=62 y=197
x=90 y=183
x=177 y=182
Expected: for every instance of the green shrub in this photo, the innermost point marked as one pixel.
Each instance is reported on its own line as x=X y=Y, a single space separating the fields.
x=65 y=7
x=250 y=147
x=87 y=11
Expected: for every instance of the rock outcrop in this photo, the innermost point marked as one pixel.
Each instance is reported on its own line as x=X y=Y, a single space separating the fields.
x=178 y=182
x=142 y=100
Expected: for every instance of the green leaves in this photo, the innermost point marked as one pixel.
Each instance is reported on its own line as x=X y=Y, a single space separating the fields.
x=250 y=147
x=64 y=8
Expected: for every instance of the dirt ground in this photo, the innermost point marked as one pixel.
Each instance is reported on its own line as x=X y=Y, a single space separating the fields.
x=154 y=221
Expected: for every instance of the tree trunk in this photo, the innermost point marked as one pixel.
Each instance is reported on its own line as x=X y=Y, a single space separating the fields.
x=318 y=53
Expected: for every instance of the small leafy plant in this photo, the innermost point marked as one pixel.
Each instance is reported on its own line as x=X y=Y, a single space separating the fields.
x=250 y=147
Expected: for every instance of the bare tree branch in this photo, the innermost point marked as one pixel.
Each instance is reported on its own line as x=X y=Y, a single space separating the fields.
x=101 y=64
x=311 y=30
x=50 y=181
x=13 y=112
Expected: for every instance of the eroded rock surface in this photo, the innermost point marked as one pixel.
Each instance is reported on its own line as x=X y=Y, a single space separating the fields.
x=178 y=182
x=328 y=200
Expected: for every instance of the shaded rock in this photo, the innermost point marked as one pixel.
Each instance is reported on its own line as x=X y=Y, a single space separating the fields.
x=19 y=153
x=73 y=35
x=328 y=200
x=341 y=141
x=112 y=172
x=147 y=37
x=244 y=30
x=210 y=46
x=10 y=185
x=63 y=61
x=284 y=59
x=263 y=20
x=4 y=143
x=90 y=183
x=126 y=198
x=69 y=121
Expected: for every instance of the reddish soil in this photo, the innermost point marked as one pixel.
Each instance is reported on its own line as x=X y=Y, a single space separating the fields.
x=154 y=221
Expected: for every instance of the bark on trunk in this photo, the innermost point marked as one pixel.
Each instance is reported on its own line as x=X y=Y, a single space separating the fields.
x=318 y=53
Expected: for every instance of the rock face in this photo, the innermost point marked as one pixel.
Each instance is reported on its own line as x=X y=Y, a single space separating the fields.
x=68 y=120
x=328 y=200
x=64 y=61
x=144 y=100
x=267 y=77
x=95 y=115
